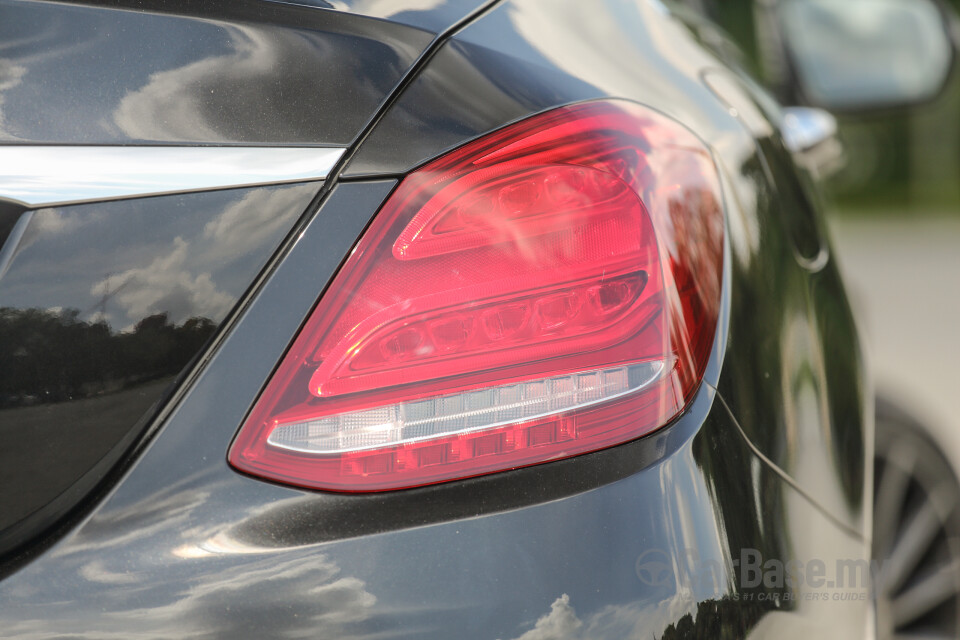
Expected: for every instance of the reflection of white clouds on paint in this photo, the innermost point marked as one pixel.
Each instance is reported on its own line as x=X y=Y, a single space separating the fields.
x=560 y=622
x=58 y=221
x=386 y=9
x=166 y=285
x=96 y=572
x=195 y=597
x=321 y=600
x=636 y=620
x=182 y=281
x=611 y=622
x=170 y=104
x=172 y=508
x=248 y=223
x=11 y=75
x=324 y=601
x=321 y=603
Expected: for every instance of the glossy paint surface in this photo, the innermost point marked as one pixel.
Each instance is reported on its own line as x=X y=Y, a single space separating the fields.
x=651 y=552
x=429 y=15
x=523 y=58
x=101 y=306
x=608 y=545
x=635 y=540
x=242 y=72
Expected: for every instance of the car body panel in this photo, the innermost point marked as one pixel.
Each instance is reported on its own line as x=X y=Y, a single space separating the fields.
x=216 y=554
x=434 y=16
x=105 y=303
x=239 y=73
x=610 y=544
x=101 y=307
x=777 y=354
x=209 y=552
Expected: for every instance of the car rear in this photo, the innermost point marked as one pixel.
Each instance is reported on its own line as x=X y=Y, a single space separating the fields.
x=468 y=378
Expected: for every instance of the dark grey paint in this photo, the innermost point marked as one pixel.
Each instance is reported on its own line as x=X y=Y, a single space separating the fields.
x=523 y=57
x=434 y=16
x=202 y=551
x=251 y=73
x=181 y=559
x=184 y=546
x=101 y=306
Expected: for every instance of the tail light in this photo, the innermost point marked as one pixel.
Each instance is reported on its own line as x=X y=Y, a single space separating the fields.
x=544 y=291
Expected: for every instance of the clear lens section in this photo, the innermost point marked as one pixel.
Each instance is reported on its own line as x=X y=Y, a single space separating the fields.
x=463 y=412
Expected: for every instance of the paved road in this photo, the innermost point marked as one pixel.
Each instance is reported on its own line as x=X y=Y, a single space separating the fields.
x=904 y=280
x=30 y=431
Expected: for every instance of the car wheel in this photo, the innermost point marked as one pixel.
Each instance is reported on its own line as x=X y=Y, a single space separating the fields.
x=916 y=541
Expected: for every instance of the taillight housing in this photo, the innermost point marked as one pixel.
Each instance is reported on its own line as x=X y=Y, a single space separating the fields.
x=550 y=289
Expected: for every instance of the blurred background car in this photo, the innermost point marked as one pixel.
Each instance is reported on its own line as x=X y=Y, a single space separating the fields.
x=894 y=210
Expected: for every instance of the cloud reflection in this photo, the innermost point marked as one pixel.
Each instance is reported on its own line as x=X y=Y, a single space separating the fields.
x=192 y=277
x=633 y=620
x=11 y=74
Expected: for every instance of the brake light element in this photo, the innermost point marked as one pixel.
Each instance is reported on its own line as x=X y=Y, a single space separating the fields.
x=547 y=290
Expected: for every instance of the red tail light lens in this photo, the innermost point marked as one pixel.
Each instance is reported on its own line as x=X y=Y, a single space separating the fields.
x=547 y=290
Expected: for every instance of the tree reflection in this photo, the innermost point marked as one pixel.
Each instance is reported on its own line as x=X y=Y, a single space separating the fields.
x=53 y=356
x=716 y=619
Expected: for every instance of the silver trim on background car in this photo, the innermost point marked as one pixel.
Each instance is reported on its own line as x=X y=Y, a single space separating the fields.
x=48 y=175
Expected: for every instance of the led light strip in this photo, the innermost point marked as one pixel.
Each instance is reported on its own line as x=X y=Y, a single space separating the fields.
x=463 y=413
x=46 y=175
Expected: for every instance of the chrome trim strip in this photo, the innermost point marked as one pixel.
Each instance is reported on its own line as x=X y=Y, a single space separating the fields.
x=42 y=176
